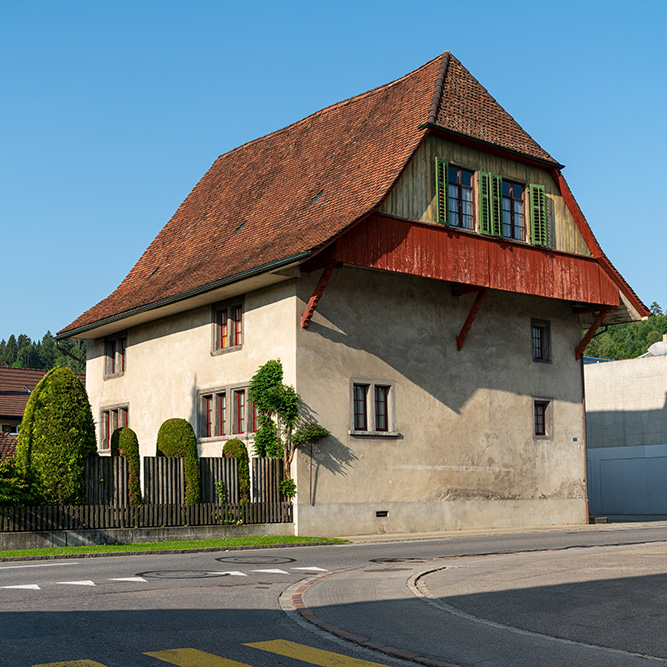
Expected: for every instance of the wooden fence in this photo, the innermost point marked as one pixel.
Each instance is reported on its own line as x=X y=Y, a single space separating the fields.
x=266 y=476
x=106 y=480
x=80 y=517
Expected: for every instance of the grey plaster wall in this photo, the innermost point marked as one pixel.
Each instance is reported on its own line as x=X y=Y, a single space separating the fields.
x=465 y=454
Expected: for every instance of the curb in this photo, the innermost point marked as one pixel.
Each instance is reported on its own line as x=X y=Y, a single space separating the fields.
x=304 y=612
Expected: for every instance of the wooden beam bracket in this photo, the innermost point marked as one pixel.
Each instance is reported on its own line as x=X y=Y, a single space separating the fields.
x=591 y=332
x=317 y=294
x=477 y=304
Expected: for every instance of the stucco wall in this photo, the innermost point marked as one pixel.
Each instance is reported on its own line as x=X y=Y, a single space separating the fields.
x=169 y=361
x=465 y=454
x=626 y=402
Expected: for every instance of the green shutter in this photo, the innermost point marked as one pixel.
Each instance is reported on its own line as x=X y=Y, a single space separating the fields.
x=496 y=205
x=490 y=204
x=441 y=190
x=538 y=215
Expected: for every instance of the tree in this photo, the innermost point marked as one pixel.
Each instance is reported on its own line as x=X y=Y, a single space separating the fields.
x=124 y=443
x=57 y=434
x=281 y=430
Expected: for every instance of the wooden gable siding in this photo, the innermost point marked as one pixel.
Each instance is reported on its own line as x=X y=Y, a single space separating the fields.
x=381 y=242
x=413 y=196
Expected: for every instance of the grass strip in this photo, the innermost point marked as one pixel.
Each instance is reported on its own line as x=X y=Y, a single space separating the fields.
x=175 y=545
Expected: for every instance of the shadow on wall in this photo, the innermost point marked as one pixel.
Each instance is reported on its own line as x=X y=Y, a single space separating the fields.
x=334 y=456
x=421 y=344
x=627 y=428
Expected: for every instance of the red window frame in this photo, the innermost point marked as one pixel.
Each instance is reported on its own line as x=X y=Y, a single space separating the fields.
x=121 y=346
x=222 y=328
x=456 y=190
x=237 y=317
x=240 y=410
x=222 y=411
x=112 y=356
x=514 y=222
x=208 y=408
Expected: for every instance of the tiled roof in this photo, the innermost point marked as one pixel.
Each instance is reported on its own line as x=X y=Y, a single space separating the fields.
x=7 y=445
x=15 y=387
x=292 y=191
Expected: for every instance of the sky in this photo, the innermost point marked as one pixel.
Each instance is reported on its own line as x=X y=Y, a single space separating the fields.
x=112 y=111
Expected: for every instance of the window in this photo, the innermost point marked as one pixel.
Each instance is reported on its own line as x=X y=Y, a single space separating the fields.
x=227 y=327
x=111 y=419
x=226 y=411
x=372 y=408
x=541 y=340
x=460 y=206
x=541 y=417
x=114 y=351
x=10 y=429
x=513 y=211
x=501 y=209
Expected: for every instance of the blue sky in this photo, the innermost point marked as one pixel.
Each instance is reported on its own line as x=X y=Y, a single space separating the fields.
x=112 y=111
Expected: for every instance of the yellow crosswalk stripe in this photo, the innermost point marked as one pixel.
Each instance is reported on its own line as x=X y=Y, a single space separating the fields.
x=191 y=657
x=314 y=656
x=72 y=663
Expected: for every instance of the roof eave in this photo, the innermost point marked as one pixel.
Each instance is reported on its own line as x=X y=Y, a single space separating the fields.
x=490 y=146
x=209 y=287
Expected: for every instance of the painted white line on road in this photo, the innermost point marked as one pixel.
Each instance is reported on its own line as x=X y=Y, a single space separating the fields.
x=270 y=571
x=128 y=579
x=85 y=582
x=311 y=569
x=232 y=573
x=15 y=567
x=30 y=587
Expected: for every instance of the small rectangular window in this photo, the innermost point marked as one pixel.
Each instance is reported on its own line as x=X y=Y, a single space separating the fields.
x=228 y=327
x=114 y=351
x=541 y=417
x=460 y=200
x=111 y=419
x=239 y=424
x=372 y=408
x=360 y=409
x=541 y=335
x=222 y=414
x=513 y=224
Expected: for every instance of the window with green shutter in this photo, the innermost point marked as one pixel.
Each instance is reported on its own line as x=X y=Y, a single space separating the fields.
x=441 y=190
x=538 y=215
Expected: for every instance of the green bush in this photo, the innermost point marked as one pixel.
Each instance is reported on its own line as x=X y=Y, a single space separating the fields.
x=56 y=436
x=287 y=487
x=124 y=443
x=176 y=438
x=15 y=491
x=235 y=448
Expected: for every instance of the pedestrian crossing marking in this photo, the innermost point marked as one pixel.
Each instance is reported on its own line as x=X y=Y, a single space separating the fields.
x=231 y=573
x=27 y=587
x=128 y=579
x=314 y=656
x=191 y=657
x=72 y=663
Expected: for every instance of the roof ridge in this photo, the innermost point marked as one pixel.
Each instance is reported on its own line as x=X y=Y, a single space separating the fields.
x=439 y=87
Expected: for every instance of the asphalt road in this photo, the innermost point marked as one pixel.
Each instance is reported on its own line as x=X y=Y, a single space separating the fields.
x=537 y=598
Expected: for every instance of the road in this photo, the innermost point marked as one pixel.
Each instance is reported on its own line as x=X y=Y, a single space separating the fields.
x=590 y=596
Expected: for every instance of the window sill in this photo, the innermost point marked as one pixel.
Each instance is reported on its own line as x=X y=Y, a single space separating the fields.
x=376 y=434
x=111 y=376
x=225 y=350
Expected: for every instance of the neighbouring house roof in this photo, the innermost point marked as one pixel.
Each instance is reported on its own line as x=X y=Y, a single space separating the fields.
x=285 y=196
x=8 y=444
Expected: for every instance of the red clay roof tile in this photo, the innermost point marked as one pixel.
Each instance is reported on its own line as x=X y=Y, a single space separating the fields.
x=259 y=204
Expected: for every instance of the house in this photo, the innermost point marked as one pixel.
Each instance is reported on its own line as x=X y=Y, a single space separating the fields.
x=420 y=267
x=626 y=425
x=15 y=387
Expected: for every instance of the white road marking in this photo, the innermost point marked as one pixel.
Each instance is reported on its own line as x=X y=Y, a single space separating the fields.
x=270 y=571
x=15 y=567
x=233 y=573
x=128 y=579
x=85 y=582
x=311 y=569
x=32 y=587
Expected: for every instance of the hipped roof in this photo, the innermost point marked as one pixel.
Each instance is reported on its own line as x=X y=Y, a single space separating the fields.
x=287 y=194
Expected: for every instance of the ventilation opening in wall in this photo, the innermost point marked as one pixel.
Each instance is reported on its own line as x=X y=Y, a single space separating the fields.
x=382 y=513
